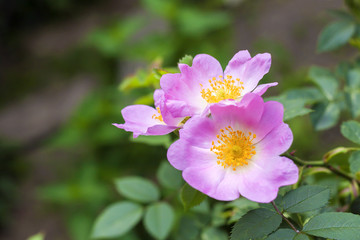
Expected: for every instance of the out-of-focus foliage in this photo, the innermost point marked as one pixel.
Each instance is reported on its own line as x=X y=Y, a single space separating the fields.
x=177 y=27
x=162 y=32
x=12 y=170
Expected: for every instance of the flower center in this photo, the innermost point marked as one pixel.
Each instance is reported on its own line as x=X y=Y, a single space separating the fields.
x=221 y=89
x=233 y=148
x=159 y=117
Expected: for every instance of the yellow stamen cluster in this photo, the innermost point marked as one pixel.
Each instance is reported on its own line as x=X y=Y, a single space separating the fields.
x=233 y=148
x=221 y=89
x=159 y=117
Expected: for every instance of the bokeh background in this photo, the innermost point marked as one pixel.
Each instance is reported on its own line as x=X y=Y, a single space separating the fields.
x=61 y=63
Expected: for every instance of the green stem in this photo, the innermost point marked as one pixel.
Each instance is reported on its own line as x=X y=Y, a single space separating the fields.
x=282 y=215
x=333 y=169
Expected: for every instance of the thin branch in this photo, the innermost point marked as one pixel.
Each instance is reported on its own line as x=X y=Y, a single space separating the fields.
x=333 y=169
x=282 y=215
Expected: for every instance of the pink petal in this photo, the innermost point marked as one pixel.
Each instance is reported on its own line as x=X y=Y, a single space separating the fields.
x=159 y=97
x=256 y=68
x=204 y=68
x=199 y=131
x=237 y=65
x=246 y=114
x=178 y=108
x=214 y=181
x=182 y=155
x=182 y=100
x=249 y=70
x=270 y=119
x=139 y=118
x=160 y=130
x=261 y=182
x=160 y=102
x=276 y=142
x=262 y=88
x=185 y=87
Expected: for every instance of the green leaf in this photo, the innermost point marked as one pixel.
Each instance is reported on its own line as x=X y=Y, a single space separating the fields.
x=188 y=229
x=351 y=130
x=137 y=189
x=354 y=6
x=191 y=197
x=335 y=35
x=352 y=92
x=293 y=107
x=256 y=224
x=325 y=80
x=336 y=151
x=117 y=219
x=240 y=207
x=355 y=206
x=309 y=95
x=325 y=115
x=306 y=198
x=341 y=14
x=168 y=176
x=196 y=23
x=160 y=7
x=39 y=236
x=354 y=161
x=212 y=233
x=281 y=234
x=159 y=219
x=334 y=225
x=163 y=140
x=115 y=38
x=218 y=215
x=301 y=236
x=187 y=59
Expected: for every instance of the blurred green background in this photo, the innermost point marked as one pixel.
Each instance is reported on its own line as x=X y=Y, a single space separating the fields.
x=61 y=66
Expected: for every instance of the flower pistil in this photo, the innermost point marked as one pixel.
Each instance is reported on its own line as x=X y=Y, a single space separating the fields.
x=233 y=148
x=221 y=89
x=159 y=117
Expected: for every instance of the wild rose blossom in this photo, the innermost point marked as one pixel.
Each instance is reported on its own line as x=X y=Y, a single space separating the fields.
x=145 y=120
x=195 y=88
x=235 y=152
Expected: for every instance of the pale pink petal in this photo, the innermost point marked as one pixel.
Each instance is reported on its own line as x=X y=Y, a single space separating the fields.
x=204 y=68
x=139 y=119
x=182 y=100
x=256 y=68
x=205 y=179
x=160 y=102
x=276 y=142
x=159 y=97
x=245 y=114
x=262 y=88
x=199 y=132
x=182 y=155
x=260 y=183
x=271 y=118
x=160 y=130
x=174 y=87
x=178 y=108
x=227 y=189
x=184 y=87
x=237 y=65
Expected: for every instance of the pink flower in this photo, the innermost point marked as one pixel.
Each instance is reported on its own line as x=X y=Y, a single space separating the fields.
x=145 y=120
x=235 y=152
x=195 y=88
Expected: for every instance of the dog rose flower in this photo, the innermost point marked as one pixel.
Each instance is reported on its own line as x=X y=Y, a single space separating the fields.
x=145 y=120
x=235 y=152
x=195 y=88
